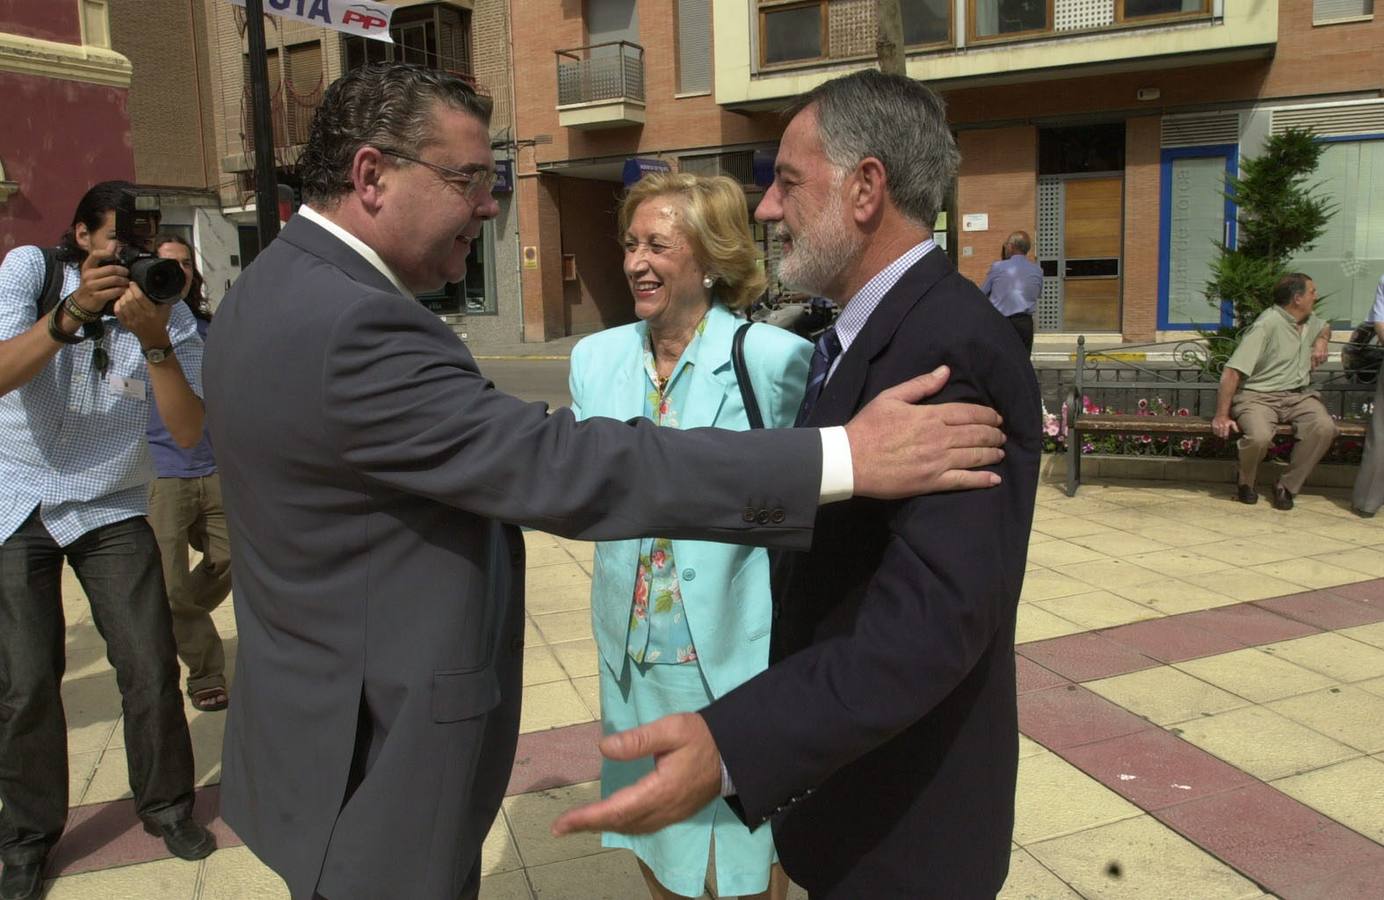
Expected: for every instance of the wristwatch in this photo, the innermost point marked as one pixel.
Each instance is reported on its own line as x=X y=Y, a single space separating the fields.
x=156 y=355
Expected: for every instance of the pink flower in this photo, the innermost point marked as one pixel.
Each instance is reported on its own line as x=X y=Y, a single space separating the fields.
x=687 y=655
x=663 y=408
x=1147 y=439
x=659 y=558
x=1051 y=427
x=641 y=593
x=1184 y=412
x=1143 y=404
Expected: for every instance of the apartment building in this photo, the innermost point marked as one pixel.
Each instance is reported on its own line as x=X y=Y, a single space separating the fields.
x=1103 y=127
x=467 y=37
x=67 y=124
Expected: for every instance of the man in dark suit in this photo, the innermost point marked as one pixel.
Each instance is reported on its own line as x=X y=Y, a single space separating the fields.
x=367 y=468
x=882 y=742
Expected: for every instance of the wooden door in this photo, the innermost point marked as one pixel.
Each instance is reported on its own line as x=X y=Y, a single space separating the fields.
x=1093 y=214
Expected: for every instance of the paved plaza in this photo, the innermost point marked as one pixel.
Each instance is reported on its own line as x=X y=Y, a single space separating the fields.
x=1201 y=698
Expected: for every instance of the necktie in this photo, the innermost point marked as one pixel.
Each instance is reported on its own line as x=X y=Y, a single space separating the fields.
x=823 y=355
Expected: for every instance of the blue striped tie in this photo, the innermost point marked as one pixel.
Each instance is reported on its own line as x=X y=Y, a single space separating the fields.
x=823 y=355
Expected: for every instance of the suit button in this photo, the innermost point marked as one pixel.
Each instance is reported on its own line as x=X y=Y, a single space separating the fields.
x=762 y=517
x=777 y=517
x=748 y=514
x=688 y=574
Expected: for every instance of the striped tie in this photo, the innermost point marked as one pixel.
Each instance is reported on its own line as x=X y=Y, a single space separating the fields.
x=823 y=355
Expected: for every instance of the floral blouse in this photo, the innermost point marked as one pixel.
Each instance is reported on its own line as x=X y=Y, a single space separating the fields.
x=658 y=625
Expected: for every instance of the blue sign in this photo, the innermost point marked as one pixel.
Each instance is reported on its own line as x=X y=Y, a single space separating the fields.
x=504 y=176
x=636 y=168
x=762 y=167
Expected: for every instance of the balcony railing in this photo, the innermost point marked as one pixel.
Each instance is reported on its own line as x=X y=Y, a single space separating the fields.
x=601 y=72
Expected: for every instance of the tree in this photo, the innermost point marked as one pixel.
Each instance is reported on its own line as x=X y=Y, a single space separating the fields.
x=1278 y=218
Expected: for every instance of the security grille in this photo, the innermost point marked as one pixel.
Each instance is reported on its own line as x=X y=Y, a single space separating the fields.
x=1078 y=15
x=1050 y=248
x=1201 y=129
x=1341 y=118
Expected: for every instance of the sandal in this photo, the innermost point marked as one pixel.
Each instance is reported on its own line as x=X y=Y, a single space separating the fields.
x=212 y=699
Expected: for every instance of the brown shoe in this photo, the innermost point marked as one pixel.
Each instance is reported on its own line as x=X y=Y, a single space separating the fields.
x=1282 y=497
x=1245 y=494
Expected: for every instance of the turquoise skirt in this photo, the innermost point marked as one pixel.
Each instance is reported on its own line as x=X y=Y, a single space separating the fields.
x=678 y=854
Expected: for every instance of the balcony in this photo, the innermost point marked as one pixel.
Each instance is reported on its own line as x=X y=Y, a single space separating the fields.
x=781 y=48
x=601 y=86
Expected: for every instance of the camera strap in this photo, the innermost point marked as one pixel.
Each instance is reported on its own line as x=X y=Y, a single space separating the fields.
x=52 y=282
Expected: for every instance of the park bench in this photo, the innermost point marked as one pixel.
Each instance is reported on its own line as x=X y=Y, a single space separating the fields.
x=1172 y=370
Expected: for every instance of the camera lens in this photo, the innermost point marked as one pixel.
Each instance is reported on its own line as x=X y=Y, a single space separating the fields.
x=160 y=279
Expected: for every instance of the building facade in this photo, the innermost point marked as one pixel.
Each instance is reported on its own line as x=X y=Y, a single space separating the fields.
x=468 y=37
x=67 y=124
x=1103 y=127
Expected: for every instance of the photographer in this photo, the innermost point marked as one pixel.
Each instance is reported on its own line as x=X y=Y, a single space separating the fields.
x=75 y=389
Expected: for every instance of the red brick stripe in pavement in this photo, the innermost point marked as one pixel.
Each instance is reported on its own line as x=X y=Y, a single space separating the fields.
x=1283 y=845
x=1278 y=842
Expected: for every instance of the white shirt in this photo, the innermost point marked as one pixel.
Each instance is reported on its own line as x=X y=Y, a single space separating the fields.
x=857 y=312
x=838 y=472
x=1377 y=311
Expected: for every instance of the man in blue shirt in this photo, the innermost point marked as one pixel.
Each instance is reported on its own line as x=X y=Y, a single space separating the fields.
x=76 y=386
x=1014 y=283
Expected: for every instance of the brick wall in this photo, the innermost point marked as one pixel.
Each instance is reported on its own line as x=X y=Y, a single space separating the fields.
x=165 y=42
x=999 y=178
x=600 y=297
x=1141 y=201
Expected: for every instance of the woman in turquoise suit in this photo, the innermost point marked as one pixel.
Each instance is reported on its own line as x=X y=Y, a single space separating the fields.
x=678 y=623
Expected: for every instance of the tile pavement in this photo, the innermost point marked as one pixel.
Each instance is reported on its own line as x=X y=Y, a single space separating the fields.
x=1201 y=697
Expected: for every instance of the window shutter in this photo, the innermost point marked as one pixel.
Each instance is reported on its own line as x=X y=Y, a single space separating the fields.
x=694 y=46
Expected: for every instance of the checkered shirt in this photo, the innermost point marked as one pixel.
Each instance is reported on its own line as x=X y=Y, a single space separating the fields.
x=70 y=444
x=852 y=319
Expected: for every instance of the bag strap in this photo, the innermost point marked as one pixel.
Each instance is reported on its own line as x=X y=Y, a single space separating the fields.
x=52 y=283
x=742 y=375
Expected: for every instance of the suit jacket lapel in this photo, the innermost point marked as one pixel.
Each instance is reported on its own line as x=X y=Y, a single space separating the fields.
x=713 y=377
x=313 y=238
x=841 y=396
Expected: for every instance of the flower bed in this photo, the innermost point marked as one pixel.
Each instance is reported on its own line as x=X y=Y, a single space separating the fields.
x=1055 y=437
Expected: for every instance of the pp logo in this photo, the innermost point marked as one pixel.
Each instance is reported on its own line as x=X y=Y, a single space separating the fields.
x=367 y=17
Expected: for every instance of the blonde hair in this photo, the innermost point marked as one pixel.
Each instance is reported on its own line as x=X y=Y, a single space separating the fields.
x=717 y=225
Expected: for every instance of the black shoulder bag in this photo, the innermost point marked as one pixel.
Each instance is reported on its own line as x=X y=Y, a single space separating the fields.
x=742 y=375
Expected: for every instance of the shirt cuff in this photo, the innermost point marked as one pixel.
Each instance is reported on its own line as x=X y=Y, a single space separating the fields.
x=838 y=470
x=727 y=786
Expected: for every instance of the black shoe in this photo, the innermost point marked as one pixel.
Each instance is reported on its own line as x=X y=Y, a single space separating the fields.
x=185 y=839
x=1361 y=513
x=1245 y=494
x=1282 y=497
x=22 y=881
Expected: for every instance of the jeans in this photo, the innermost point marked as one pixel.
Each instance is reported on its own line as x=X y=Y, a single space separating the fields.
x=118 y=567
x=183 y=512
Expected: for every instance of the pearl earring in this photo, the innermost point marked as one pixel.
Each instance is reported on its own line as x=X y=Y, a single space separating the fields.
x=708 y=281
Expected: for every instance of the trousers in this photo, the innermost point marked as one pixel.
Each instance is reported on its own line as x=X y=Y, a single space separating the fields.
x=1259 y=413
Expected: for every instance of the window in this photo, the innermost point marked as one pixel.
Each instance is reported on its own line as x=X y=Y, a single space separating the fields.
x=1137 y=10
x=1348 y=258
x=436 y=35
x=996 y=18
x=694 y=46
x=792 y=32
x=926 y=21
x=1335 y=10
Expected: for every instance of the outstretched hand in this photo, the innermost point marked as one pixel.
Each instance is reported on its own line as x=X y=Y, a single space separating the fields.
x=900 y=449
x=686 y=777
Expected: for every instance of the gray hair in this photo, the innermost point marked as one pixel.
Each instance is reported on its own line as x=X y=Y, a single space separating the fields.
x=899 y=122
x=385 y=105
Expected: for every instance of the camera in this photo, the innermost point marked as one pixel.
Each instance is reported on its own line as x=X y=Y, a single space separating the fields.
x=160 y=279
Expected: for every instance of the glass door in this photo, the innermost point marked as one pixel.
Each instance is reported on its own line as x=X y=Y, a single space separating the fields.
x=1195 y=216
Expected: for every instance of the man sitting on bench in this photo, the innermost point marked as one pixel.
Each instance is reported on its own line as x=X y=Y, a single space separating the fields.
x=1267 y=382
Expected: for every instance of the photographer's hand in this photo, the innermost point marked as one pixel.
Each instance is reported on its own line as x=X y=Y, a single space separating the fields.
x=101 y=284
x=180 y=408
x=144 y=318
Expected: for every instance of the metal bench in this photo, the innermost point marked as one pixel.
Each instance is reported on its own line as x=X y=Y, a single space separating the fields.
x=1183 y=378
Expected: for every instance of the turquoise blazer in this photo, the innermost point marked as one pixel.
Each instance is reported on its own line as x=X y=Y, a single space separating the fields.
x=725 y=587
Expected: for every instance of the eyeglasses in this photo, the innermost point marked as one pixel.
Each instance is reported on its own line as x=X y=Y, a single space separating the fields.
x=472 y=185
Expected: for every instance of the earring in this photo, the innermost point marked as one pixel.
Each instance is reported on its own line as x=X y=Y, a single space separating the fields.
x=708 y=281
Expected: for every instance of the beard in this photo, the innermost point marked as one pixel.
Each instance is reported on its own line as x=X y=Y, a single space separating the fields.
x=818 y=257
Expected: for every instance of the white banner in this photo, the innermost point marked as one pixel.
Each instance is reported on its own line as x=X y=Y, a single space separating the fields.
x=367 y=20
